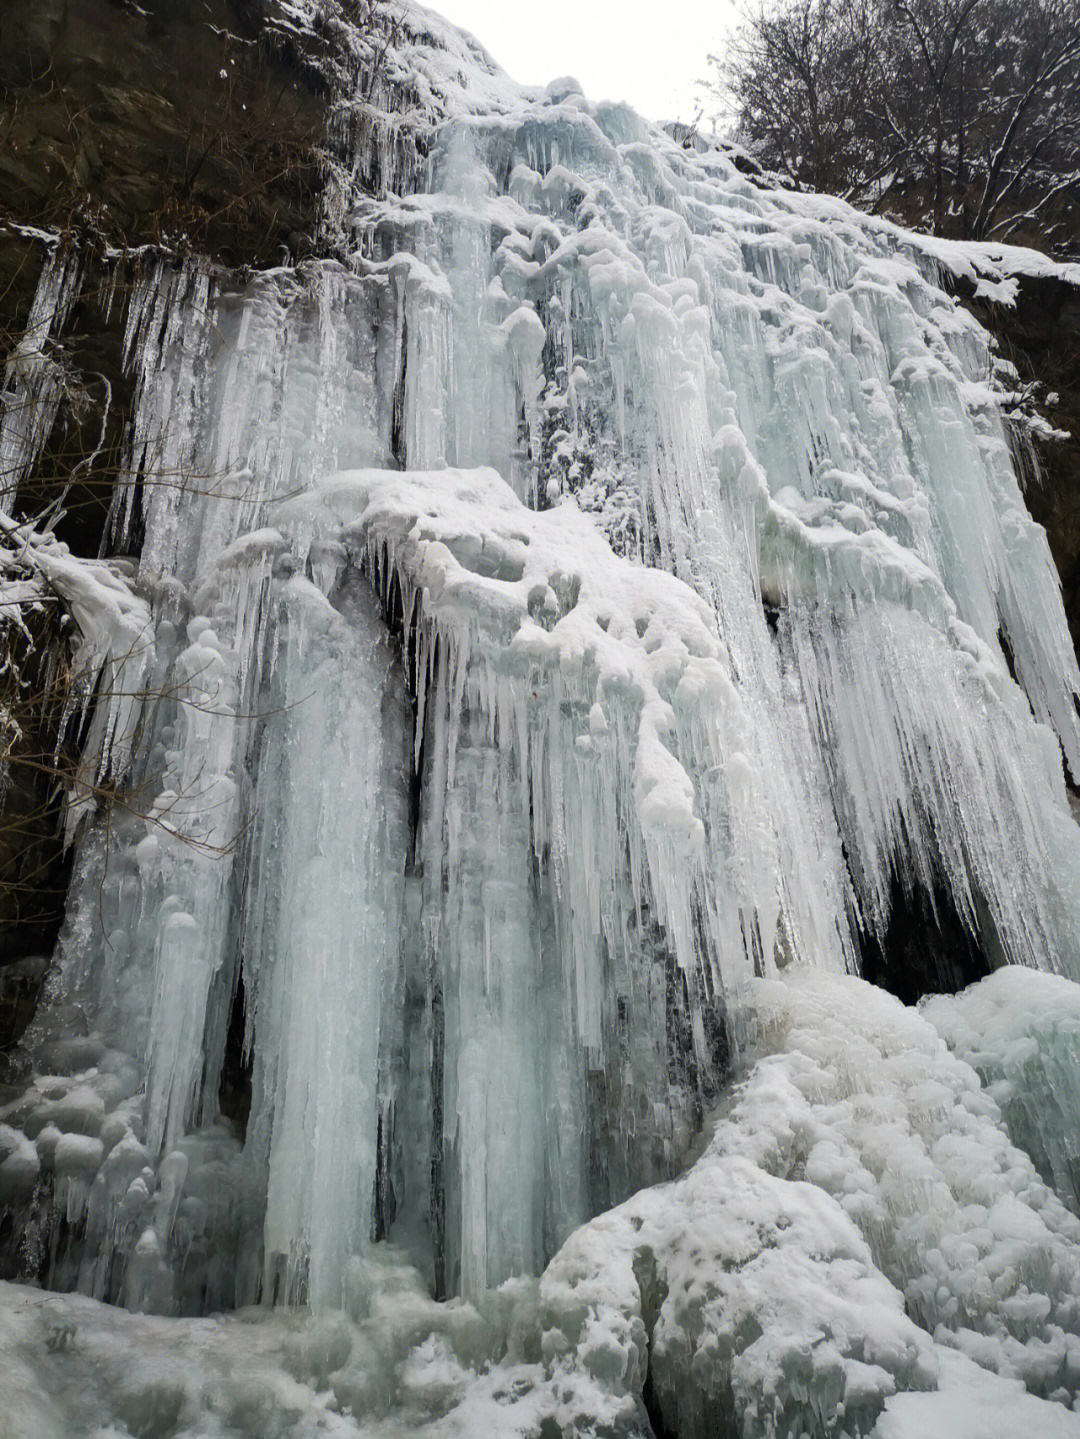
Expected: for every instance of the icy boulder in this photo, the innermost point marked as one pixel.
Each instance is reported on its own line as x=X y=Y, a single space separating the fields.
x=741 y=1302
x=858 y=1095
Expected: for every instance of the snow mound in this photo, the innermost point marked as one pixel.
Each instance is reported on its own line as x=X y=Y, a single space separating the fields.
x=1020 y=1032
x=745 y=1300
x=858 y=1095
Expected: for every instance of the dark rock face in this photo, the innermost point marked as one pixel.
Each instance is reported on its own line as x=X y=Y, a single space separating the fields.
x=927 y=947
x=1041 y=336
x=34 y=867
x=176 y=121
x=190 y=124
x=20 y=986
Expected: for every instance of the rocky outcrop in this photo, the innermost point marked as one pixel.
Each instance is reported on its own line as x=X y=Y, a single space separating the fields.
x=1040 y=334
x=183 y=122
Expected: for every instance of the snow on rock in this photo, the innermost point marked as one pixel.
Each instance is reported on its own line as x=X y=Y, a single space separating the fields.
x=111 y=641
x=994 y=269
x=749 y=1301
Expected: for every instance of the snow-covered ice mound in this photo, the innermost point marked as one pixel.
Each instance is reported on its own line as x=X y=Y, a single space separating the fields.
x=1021 y=1034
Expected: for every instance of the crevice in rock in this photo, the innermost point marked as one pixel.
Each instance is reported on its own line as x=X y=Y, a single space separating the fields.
x=234 y=1090
x=653 y=1290
x=397 y=423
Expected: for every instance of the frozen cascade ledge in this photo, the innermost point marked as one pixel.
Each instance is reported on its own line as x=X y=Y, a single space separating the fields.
x=587 y=690
x=578 y=612
x=605 y=679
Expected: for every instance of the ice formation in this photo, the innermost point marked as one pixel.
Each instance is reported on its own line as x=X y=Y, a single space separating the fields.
x=565 y=623
x=34 y=381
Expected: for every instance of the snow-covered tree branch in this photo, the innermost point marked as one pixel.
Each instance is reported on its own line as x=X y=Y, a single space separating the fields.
x=960 y=115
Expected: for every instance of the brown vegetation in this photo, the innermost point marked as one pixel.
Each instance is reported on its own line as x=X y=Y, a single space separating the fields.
x=177 y=123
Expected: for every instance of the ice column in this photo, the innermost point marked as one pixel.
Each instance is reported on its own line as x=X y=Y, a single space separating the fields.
x=323 y=932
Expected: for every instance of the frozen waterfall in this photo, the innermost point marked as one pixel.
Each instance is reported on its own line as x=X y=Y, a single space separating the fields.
x=564 y=628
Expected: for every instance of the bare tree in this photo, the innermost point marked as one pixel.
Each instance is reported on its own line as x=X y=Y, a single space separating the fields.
x=960 y=115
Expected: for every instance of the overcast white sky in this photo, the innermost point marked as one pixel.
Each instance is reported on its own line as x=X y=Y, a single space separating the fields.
x=650 y=54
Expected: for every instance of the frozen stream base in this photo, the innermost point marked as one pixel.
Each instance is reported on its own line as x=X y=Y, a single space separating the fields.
x=76 y=1369
x=774 y=1289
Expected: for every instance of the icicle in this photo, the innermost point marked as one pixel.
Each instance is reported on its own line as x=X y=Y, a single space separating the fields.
x=36 y=381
